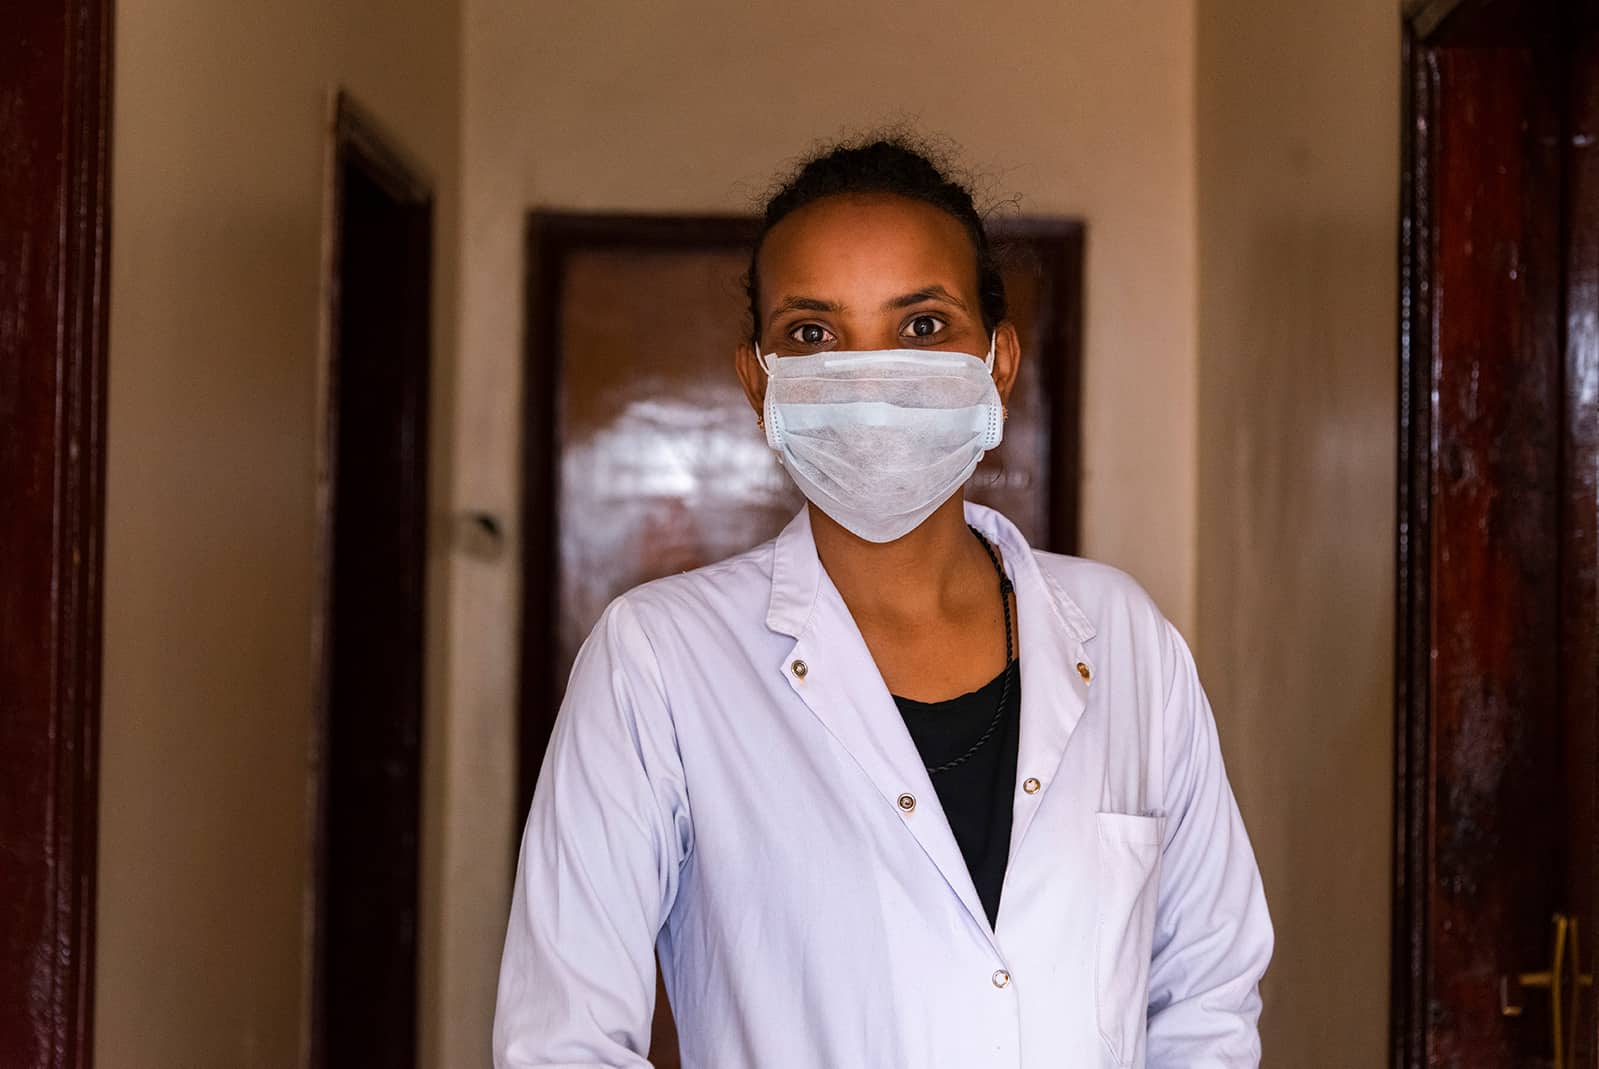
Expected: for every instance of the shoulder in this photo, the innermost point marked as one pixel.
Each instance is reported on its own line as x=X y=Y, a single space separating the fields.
x=1106 y=595
x=655 y=629
x=1126 y=622
x=728 y=590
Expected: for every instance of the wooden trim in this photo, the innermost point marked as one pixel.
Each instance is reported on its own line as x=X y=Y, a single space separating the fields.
x=547 y=237
x=55 y=211
x=1421 y=805
x=1061 y=245
x=358 y=134
x=1494 y=23
x=1425 y=16
x=1579 y=509
x=1412 y=729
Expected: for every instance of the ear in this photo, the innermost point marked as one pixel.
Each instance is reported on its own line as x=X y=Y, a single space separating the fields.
x=751 y=375
x=1007 y=359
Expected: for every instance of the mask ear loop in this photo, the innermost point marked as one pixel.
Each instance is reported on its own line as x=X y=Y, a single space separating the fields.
x=769 y=420
x=990 y=360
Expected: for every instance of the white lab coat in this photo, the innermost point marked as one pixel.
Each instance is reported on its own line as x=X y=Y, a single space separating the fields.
x=730 y=783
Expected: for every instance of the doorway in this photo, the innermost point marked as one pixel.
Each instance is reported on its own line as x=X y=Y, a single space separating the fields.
x=373 y=507
x=1498 y=644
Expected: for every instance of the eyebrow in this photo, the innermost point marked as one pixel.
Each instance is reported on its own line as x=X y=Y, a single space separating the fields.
x=927 y=293
x=803 y=304
x=905 y=300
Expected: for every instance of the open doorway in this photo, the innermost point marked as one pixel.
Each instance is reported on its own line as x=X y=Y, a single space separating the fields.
x=372 y=490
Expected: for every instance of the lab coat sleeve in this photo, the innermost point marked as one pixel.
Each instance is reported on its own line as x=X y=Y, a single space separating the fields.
x=598 y=872
x=1212 y=937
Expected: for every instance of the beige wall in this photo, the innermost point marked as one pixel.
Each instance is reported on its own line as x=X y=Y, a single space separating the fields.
x=1298 y=106
x=1082 y=109
x=218 y=155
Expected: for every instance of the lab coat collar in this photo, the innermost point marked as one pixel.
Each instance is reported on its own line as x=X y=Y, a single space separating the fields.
x=841 y=687
x=1023 y=567
x=796 y=576
x=797 y=573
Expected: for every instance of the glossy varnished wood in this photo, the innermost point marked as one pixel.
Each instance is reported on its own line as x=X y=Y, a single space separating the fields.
x=54 y=232
x=1495 y=672
x=1579 y=506
x=1494 y=572
x=1407 y=983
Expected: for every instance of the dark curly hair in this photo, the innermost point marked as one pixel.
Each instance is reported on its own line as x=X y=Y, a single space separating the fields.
x=891 y=163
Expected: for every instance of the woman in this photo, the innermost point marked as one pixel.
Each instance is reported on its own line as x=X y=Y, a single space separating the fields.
x=893 y=789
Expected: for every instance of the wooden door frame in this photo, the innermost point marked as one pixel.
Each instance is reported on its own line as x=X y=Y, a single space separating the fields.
x=354 y=136
x=1412 y=723
x=55 y=198
x=552 y=236
x=1426 y=24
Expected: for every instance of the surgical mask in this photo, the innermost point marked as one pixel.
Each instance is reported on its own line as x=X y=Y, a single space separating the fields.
x=879 y=439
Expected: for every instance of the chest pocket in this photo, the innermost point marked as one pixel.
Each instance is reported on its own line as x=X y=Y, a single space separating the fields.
x=1129 y=881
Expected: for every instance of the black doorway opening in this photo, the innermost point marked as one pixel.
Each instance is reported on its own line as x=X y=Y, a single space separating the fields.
x=370 y=624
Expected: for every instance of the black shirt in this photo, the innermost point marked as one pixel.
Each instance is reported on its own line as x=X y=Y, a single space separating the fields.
x=976 y=794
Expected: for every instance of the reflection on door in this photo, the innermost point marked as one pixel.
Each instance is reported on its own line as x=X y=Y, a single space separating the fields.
x=643 y=457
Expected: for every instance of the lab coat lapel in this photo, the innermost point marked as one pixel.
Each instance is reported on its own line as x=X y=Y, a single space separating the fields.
x=1055 y=638
x=1054 y=697
x=832 y=671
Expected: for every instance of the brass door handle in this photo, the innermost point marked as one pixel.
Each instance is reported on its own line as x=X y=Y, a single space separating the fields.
x=1579 y=980
x=1560 y=976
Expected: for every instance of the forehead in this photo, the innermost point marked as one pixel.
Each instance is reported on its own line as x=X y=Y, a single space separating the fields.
x=866 y=241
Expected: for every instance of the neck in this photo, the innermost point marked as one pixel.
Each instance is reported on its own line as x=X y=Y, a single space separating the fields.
x=908 y=577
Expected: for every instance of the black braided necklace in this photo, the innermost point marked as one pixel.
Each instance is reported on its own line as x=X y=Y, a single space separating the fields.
x=1005 y=591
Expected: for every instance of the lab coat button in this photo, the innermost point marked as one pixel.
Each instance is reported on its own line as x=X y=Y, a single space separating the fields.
x=1082 y=670
x=1000 y=977
x=1031 y=785
x=907 y=803
x=799 y=669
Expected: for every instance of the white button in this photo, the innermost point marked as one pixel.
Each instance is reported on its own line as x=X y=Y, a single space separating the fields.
x=1000 y=978
x=1031 y=785
x=907 y=803
x=799 y=669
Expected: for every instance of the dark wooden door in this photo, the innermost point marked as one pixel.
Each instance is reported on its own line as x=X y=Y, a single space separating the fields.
x=1494 y=919
x=643 y=456
x=55 y=196
x=375 y=463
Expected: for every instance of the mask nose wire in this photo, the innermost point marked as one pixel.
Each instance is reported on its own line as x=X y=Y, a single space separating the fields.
x=766 y=359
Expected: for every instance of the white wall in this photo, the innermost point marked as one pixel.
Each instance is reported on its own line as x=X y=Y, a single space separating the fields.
x=219 y=122
x=1082 y=109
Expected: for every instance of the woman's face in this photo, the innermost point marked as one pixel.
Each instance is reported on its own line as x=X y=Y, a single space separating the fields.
x=873 y=271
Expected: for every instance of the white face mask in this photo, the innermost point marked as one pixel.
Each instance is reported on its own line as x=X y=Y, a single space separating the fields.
x=879 y=439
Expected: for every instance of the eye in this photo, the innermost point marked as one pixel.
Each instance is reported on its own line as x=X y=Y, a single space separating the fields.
x=811 y=334
x=923 y=326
